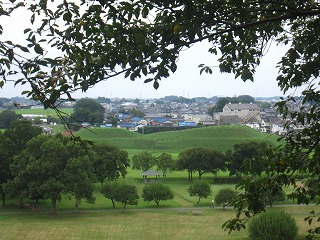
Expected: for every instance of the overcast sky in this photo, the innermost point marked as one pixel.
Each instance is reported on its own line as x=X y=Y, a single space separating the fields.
x=186 y=81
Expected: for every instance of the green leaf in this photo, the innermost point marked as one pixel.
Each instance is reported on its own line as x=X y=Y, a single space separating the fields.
x=10 y=54
x=155 y=85
x=38 y=49
x=67 y=17
x=145 y=12
x=148 y=80
x=27 y=30
x=1 y=84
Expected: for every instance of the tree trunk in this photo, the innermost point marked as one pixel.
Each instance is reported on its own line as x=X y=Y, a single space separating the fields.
x=54 y=205
x=198 y=201
x=3 y=199
x=157 y=202
x=124 y=207
x=113 y=204
x=200 y=174
x=20 y=203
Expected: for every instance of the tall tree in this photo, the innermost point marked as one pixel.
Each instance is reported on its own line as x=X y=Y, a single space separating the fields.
x=53 y=166
x=109 y=162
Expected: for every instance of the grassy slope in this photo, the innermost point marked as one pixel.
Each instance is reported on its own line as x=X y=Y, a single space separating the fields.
x=47 y=112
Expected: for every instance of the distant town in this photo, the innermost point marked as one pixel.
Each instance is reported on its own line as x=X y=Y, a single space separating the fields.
x=173 y=111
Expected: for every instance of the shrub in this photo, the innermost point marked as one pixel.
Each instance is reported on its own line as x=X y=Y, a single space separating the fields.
x=275 y=225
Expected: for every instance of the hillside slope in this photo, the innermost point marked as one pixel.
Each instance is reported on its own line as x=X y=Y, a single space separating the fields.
x=220 y=138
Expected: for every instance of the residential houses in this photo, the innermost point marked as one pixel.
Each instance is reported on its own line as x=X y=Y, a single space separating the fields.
x=174 y=114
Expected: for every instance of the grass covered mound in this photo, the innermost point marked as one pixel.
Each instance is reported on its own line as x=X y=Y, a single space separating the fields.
x=221 y=138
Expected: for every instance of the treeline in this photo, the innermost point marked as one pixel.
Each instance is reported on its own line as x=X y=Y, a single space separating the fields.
x=155 y=129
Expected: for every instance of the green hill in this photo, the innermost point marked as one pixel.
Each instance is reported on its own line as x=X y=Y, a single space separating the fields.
x=220 y=138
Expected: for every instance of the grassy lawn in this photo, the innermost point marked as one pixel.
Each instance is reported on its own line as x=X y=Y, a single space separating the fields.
x=113 y=224
x=47 y=112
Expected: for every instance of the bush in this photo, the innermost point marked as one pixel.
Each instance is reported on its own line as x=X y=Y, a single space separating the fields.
x=275 y=225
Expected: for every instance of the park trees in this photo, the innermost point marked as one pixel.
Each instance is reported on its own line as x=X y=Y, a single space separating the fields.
x=109 y=162
x=52 y=165
x=157 y=191
x=199 y=188
x=143 y=160
x=164 y=163
x=202 y=160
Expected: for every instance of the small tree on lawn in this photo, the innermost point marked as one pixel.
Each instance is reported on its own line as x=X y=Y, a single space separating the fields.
x=165 y=163
x=109 y=191
x=156 y=192
x=126 y=194
x=225 y=197
x=199 y=188
x=143 y=160
x=277 y=195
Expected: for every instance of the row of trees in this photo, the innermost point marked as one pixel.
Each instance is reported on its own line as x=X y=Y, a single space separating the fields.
x=46 y=166
x=245 y=158
x=127 y=194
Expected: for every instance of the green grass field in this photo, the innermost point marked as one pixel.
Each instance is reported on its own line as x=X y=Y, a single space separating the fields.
x=47 y=112
x=132 y=224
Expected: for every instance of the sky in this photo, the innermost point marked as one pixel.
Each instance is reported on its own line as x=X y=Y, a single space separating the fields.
x=186 y=81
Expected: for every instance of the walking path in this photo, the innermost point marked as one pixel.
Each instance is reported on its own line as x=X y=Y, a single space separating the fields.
x=296 y=206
